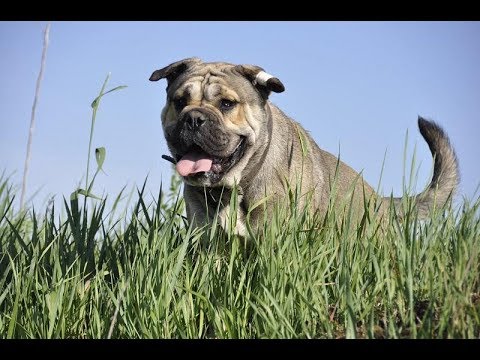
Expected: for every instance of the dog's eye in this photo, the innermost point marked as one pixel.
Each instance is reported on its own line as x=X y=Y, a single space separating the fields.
x=226 y=104
x=179 y=103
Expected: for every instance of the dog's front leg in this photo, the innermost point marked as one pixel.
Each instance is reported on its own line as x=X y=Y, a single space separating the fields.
x=203 y=204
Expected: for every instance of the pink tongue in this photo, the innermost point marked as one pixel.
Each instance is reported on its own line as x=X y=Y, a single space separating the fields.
x=194 y=162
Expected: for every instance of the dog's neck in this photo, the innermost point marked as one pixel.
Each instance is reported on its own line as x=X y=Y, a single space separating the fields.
x=247 y=178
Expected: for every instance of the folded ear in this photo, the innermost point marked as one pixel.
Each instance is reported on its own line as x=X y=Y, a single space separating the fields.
x=172 y=71
x=259 y=78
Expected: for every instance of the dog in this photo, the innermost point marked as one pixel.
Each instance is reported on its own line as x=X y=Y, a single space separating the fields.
x=224 y=134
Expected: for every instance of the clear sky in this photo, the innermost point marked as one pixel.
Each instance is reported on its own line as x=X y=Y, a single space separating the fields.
x=356 y=86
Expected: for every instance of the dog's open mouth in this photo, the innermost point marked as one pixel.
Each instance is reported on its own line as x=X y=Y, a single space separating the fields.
x=196 y=161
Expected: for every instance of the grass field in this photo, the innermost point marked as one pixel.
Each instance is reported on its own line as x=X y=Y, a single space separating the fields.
x=137 y=270
x=143 y=273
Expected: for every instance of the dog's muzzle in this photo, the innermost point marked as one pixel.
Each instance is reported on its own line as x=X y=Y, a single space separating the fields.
x=194 y=119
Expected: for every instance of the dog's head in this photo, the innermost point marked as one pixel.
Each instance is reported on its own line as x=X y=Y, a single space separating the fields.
x=214 y=118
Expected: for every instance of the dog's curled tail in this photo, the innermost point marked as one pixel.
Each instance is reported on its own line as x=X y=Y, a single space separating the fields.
x=445 y=177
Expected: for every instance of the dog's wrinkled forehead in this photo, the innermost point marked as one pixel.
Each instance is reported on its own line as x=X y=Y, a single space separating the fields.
x=209 y=79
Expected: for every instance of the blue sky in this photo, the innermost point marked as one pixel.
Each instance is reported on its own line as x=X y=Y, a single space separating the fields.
x=356 y=86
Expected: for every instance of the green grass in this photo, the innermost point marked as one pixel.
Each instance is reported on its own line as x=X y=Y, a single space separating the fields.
x=147 y=274
x=91 y=272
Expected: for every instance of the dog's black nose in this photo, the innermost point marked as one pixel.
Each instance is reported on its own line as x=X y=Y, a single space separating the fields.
x=194 y=119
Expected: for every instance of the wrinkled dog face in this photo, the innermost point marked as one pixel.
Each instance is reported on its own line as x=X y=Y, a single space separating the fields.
x=213 y=118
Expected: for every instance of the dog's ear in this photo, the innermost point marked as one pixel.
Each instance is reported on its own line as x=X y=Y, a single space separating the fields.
x=172 y=71
x=259 y=78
